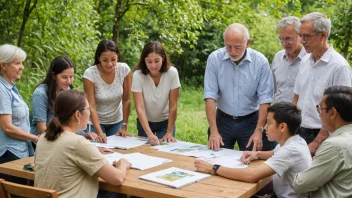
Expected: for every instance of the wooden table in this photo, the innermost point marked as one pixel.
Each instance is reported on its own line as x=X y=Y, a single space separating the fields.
x=215 y=186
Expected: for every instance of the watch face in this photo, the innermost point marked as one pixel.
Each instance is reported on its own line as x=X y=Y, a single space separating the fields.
x=261 y=129
x=215 y=167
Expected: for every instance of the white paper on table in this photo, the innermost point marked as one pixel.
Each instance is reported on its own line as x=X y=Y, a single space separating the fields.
x=122 y=142
x=228 y=158
x=175 y=177
x=138 y=160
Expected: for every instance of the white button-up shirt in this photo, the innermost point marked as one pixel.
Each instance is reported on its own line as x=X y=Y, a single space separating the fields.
x=285 y=72
x=313 y=78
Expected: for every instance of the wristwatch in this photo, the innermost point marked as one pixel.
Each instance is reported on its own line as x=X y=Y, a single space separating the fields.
x=124 y=124
x=215 y=168
x=261 y=129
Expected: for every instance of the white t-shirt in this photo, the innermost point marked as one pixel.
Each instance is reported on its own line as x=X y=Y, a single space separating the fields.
x=156 y=99
x=108 y=97
x=292 y=158
x=313 y=78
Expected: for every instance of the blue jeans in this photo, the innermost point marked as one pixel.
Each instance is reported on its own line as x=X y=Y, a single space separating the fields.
x=159 y=128
x=108 y=129
x=240 y=131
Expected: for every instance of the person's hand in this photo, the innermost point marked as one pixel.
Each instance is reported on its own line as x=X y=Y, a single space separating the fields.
x=91 y=136
x=249 y=156
x=313 y=147
x=214 y=141
x=122 y=163
x=123 y=132
x=203 y=166
x=168 y=138
x=153 y=139
x=256 y=138
x=35 y=138
x=101 y=138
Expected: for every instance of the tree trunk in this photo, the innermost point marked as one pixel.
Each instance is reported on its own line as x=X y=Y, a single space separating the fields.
x=27 y=11
x=117 y=21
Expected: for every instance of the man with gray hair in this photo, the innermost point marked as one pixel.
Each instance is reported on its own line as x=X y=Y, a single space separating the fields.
x=238 y=89
x=323 y=68
x=286 y=62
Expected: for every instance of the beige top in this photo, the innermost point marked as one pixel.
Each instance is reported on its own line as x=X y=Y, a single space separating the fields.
x=68 y=165
x=331 y=172
x=156 y=99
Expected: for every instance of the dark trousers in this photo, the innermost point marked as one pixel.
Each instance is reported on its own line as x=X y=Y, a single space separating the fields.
x=308 y=134
x=239 y=130
x=159 y=128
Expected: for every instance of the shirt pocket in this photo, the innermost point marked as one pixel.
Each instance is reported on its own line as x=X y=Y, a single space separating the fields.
x=249 y=88
x=18 y=113
x=319 y=88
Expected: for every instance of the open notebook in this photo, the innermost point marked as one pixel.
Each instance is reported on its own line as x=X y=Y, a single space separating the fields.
x=139 y=161
x=175 y=177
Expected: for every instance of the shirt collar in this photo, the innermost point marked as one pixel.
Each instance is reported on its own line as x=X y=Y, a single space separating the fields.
x=326 y=56
x=300 y=55
x=291 y=139
x=341 y=130
x=6 y=84
x=247 y=57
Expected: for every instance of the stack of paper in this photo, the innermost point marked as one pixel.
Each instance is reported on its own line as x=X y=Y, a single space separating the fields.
x=175 y=177
x=122 y=143
x=138 y=160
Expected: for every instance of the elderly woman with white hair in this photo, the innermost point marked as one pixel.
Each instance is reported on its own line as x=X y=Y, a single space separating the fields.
x=14 y=113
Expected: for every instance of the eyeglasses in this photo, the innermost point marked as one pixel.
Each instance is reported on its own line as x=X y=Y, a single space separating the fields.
x=236 y=47
x=319 y=108
x=287 y=39
x=307 y=37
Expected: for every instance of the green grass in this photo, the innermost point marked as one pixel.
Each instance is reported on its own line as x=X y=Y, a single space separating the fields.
x=191 y=122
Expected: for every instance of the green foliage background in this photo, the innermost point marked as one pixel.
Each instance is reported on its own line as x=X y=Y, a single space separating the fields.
x=189 y=30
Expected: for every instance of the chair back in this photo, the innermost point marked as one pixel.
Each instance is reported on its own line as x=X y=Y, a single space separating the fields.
x=9 y=188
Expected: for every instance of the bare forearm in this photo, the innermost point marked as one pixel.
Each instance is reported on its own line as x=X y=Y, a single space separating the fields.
x=126 y=105
x=322 y=135
x=210 y=107
x=95 y=120
x=262 y=115
x=245 y=175
x=19 y=134
x=295 y=99
x=172 y=119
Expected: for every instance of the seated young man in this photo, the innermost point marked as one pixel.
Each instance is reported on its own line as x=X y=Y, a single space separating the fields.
x=290 y=156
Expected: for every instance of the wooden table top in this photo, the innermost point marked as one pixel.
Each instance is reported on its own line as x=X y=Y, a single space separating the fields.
x=215 y=186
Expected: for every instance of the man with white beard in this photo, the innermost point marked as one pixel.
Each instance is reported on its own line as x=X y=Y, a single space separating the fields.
x=238 y=89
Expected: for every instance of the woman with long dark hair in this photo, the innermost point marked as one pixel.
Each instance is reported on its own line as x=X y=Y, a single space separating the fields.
x=59 y=77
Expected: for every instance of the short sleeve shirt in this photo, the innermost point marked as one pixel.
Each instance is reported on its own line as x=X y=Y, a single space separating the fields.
x=313 y=78
x=285 y=72
x=40 y=110
x=11 y=103
x=68 y=165
x=156 y=99
x=108 y=97
x=293 y=157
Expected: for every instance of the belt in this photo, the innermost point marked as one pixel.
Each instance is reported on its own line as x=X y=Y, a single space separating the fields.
x=236 y=117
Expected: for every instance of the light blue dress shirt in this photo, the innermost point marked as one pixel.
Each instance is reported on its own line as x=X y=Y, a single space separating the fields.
x=11 y=103
x=40 y=109
x=238 y=89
